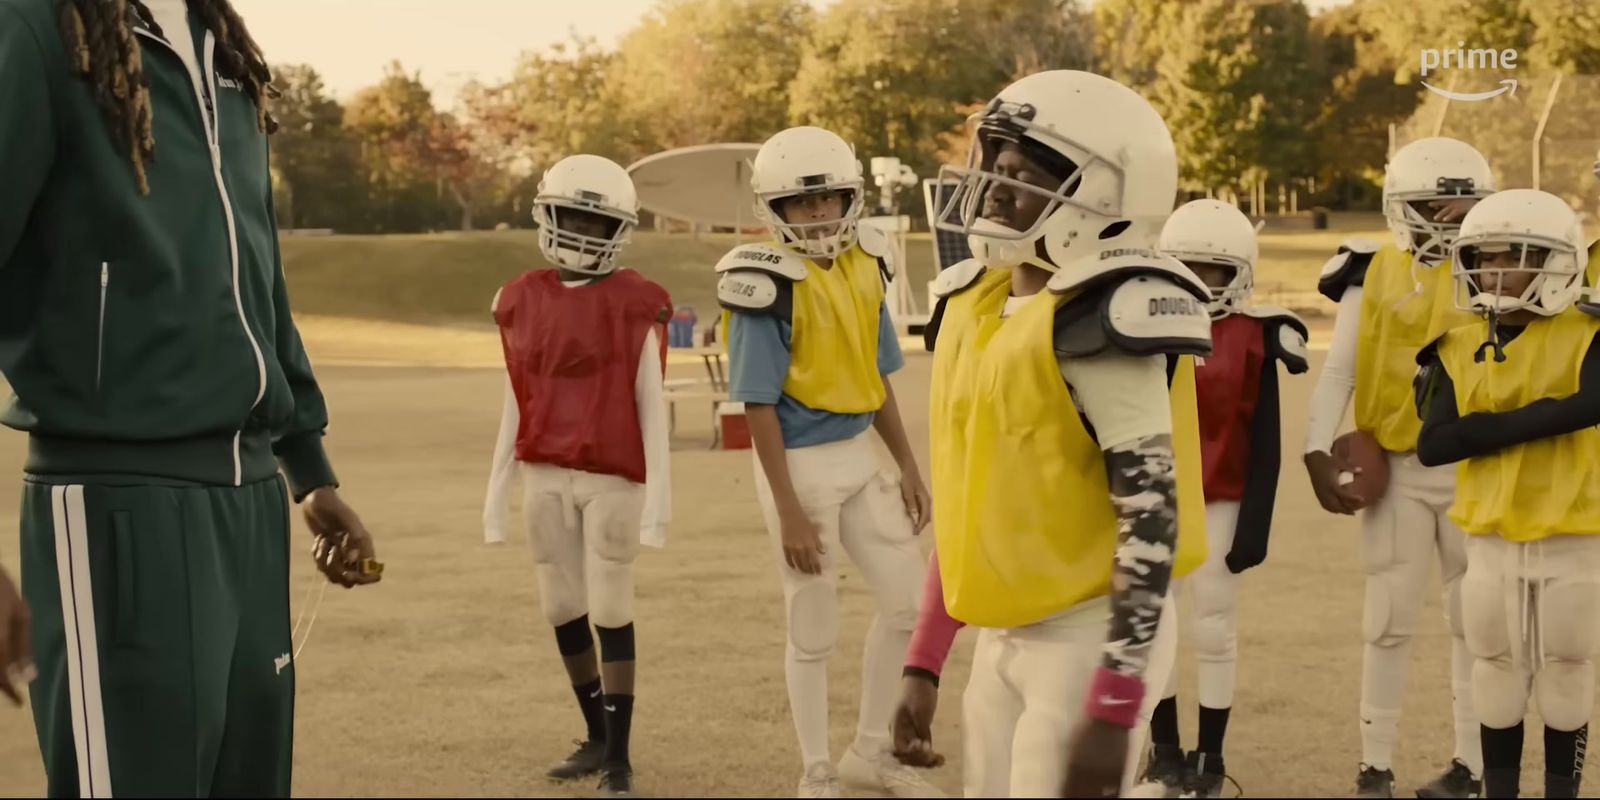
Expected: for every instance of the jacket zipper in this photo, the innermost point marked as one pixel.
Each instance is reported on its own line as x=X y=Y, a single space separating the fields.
x=208 y=120
x=100 y=348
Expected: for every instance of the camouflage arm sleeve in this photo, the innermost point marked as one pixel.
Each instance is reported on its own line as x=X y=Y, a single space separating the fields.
x=1144 y=493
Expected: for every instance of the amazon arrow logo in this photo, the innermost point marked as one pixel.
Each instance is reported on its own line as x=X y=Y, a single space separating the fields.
x=1507 y=86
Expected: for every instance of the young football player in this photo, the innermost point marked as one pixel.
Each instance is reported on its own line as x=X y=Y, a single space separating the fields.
x=810 y=347
x=1237 y=388
x=585 y=428
x=1393 y=300
x=1514 y=400
x=1068 y=479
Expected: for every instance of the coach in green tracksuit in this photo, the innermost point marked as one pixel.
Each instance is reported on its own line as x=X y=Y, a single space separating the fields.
x=145 y=331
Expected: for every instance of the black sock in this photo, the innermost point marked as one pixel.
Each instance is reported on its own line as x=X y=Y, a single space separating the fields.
x=1164 y=723
x=1502 y=760
x=594 y=715
x=1564 y=752
x=1213 y=729
x=619 y=720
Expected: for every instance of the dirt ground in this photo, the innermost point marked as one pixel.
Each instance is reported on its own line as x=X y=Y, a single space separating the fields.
x=445 y=680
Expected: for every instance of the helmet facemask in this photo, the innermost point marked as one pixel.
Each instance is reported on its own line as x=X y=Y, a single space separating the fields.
x=1228 y=295
x=1428 y=240
x=821 y=239
x=581 y=233
x=1549 y=265
x=999 y=245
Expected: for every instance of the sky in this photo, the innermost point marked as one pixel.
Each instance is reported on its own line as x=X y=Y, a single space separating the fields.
x=449 y=41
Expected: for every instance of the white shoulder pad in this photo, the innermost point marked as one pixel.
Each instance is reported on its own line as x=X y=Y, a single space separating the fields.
x=1286 y=335
x=494 y=305
x=1274 y=313
x=1128 y=259
x=874 y=240
x=1155 y=308
x=957 y=277
x=1332 y=266
x=768 y=258
x=747 y=290
x=1356 y=244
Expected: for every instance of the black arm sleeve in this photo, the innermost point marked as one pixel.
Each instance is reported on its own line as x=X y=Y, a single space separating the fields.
x=1447 y=437
x=1261 y=476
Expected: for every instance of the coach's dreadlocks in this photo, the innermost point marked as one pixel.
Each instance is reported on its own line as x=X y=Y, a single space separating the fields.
x=104 y=51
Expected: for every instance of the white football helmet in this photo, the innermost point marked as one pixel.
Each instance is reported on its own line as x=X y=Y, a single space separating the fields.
x=1519 y=219
x=808 y=160
x=1121 y=171
x=1214 y=232
x=592 y=185
x=1436 y=168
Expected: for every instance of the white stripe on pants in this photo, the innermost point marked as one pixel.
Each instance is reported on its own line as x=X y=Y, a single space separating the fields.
x=850 y=491
x=1025 y=699
x=83 y=654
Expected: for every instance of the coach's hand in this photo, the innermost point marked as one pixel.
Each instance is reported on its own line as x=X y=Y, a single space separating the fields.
x=1096 y=756
x=16 y=654
x=802 y=544
x=342 y=543
x=913 y=723
x=1324 y=469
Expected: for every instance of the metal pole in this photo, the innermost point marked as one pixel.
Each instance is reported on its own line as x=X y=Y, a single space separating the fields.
x=1538 y=133
x=1438 y=124
x=738 y=207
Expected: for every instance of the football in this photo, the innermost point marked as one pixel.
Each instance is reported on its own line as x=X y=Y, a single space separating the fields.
x=1359 y=449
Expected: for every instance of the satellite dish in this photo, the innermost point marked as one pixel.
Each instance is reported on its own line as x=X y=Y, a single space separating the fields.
x=707 y=184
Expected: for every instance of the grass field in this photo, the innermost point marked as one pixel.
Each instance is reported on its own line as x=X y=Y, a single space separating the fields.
x=444 y=679
x=449 y=278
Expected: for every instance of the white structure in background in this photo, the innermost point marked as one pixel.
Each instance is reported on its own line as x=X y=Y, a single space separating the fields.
x=891 y=176
x=705 y=185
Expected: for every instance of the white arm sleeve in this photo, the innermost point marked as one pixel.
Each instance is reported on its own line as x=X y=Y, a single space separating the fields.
x=1331 y=399
x=650 y=396
x=502 y=471
x=1124 y=396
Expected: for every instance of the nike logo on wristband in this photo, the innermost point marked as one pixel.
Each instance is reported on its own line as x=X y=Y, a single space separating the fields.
x=1108 y=700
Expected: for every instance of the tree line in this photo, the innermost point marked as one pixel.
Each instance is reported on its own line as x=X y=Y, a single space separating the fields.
x=1257 y=93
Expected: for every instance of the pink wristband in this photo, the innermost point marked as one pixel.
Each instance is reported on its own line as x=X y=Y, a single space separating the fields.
x=1115 y=698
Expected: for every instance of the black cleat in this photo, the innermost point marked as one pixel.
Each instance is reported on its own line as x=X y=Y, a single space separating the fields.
x=616 y=782
x=1457 y=781
x=1373 y=782
x=1204 y=775
x=584 y=761
x=1166 y=767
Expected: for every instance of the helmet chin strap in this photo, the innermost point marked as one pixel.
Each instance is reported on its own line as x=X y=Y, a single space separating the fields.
x=1493 y=341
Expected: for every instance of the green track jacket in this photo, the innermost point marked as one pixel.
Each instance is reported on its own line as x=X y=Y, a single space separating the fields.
x=145 y=335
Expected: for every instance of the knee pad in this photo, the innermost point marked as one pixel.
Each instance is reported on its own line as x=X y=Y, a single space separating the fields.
x=1387 y=619
x=610 y=593
x=573 y=638
x=561 y=596
x=1564 y=691
x=1215 y=636
x=616 y=644
x=813 y=621
x=1499 y=692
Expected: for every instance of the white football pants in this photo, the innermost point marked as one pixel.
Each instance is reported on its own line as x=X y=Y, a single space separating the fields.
x=851 y=491
x=1213 y=631
x=1026 y=698
x=584 y=529
x=1401 y=535
x=1531 y=614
